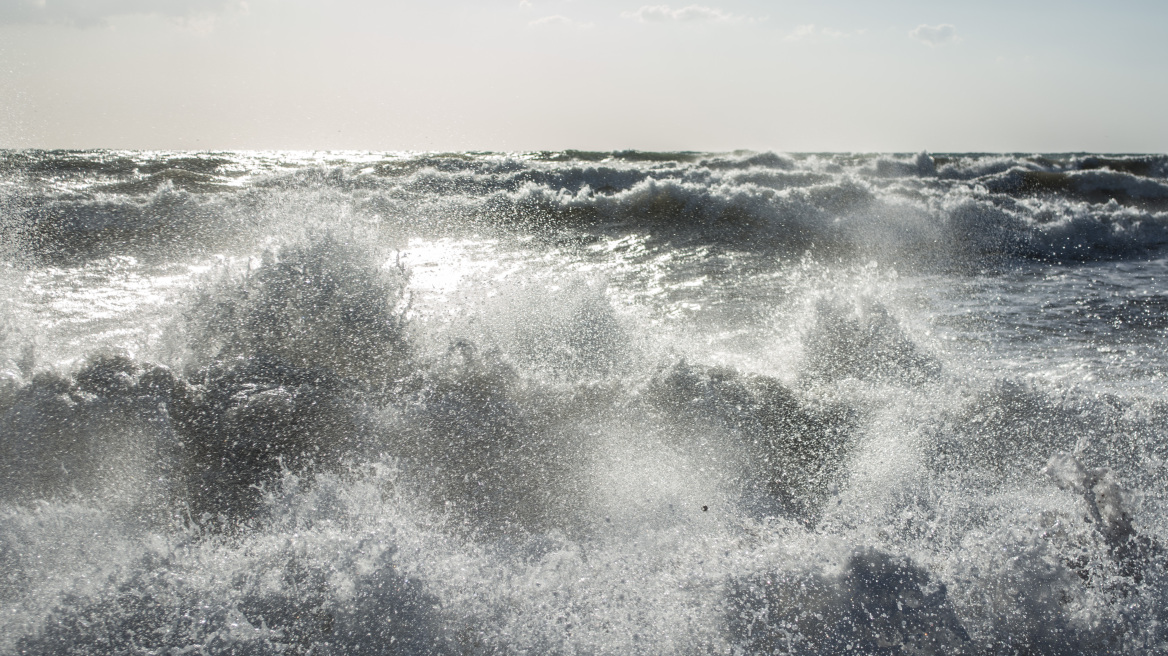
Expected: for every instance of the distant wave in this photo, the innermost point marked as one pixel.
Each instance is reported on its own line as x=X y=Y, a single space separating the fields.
x=916 y=209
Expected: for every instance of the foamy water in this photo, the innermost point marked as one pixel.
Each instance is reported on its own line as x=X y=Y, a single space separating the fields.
x=338 y=403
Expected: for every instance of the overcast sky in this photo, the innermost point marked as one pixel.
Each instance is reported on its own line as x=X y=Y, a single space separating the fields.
x=506 y=75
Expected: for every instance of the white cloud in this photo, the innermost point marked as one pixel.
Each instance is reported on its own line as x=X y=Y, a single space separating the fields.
x=698 y=13
x=801 y=32
x=559 y=21
x=647 y=14
x=84 y=13
x=810 y=32
x=692 y=13
x=935 y=35
x=526 y=4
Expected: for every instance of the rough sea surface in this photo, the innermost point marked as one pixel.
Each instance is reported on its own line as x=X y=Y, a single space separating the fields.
x=583 y=403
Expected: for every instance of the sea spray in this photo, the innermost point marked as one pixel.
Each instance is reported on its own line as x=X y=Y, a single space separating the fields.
x=626 y=403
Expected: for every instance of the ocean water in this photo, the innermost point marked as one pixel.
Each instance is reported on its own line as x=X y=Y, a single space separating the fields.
x=583 y=403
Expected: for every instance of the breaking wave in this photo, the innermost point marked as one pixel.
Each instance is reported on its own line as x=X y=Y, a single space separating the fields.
x=669 y=403
x=921 y=209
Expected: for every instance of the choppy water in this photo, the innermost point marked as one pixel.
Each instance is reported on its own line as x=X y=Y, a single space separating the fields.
x=583 y=403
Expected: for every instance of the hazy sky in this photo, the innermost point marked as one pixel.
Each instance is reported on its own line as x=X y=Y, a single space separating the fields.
x=605 y=74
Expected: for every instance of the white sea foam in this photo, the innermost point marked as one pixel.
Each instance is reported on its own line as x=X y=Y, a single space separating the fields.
x=629 y=403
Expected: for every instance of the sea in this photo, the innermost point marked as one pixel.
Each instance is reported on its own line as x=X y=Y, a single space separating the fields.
x=583 y=403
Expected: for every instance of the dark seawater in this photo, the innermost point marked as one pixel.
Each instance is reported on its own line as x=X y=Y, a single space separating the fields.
x=583 y=403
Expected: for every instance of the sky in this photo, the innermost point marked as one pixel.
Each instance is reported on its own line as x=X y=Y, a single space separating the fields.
x=521 y=75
